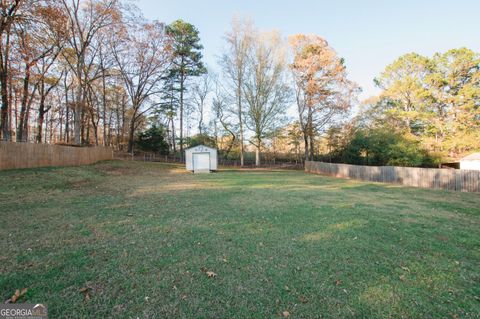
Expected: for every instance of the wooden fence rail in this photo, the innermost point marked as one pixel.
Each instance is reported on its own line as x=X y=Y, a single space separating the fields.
x=25 y=155
x=446 y=179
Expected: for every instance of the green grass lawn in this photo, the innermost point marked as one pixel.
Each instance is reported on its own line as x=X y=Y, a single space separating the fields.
x=128 y=240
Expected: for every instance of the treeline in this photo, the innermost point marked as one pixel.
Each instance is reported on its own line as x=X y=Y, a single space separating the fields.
x=428 y=112
x=95 y=72
x=90 y=72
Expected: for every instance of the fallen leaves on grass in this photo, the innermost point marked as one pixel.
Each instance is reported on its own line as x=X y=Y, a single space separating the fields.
x=286 y=314
x=442 y=238
x=303 y=299
x=209 y=273
x=406 y=269
x=338 y=282
x=86 y=292
x=18 y=293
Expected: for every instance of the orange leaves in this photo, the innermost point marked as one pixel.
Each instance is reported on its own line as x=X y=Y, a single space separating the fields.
x=86 y=292
x=312 y=54
x=17 y=295
x=321 y=82
x=209 y=273
x=303 y=299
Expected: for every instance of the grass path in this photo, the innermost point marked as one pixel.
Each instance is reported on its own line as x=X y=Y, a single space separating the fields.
x=139 y=238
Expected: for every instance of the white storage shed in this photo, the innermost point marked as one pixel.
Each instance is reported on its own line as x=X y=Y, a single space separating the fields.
x=471 y=161
x=201 y=159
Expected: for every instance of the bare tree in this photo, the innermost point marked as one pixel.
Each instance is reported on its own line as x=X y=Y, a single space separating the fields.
x=200 y=92
x=222 y=114
x=9 y=14
x=39 y=41
x=264 y=87
x=45 y=86
x=85 y=20
x=233 y=62
x=142 y=56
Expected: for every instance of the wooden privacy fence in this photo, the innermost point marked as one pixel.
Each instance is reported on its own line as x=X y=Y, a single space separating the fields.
x=446 y=179
x=23 y=155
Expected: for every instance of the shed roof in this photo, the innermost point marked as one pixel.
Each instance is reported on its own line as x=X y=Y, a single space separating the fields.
x=472 y=157
x=201 y=146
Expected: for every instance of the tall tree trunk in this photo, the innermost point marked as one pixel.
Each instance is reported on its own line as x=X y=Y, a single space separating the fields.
x=60 y=138
x=109 y=138
x=131 y=130
x=117 y=117
x=215 y=133
x=200 y=122
x=41 y=115
x=25 y=128
x=104 y=101
x=240 y=120
x=131 y=133
x=82 y=127
x=23 y=108
x=122 y=133
x=77 y=116
x=4 y=110
x=174 y=144
x=77 y=121
x=181 y=116
x=312 y=149
x=4 y=56
x=95 y=127
x=257 y=152
x=50 y=131
x=46 y=128
x=310 y=132
x=67 y=112
x=86 y=141
x=16 y=110
x=305 y=140
x=10 y=109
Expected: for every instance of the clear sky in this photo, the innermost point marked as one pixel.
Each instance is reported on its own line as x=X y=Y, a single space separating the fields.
x=369 y=34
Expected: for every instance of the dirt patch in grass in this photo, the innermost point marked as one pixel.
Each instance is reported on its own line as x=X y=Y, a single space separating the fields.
x=117 y=170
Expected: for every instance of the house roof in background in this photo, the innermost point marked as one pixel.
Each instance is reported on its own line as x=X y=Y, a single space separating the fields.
x=472 y=157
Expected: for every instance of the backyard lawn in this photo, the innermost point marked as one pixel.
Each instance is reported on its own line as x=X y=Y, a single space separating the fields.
x=148 y=240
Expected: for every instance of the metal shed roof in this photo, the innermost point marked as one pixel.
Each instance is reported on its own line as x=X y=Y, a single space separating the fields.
x=201 y=146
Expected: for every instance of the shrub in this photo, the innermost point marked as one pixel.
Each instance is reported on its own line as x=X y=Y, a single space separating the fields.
x=153 y=140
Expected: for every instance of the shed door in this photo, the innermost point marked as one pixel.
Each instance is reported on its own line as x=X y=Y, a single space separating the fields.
x=201 y=161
